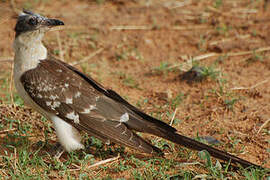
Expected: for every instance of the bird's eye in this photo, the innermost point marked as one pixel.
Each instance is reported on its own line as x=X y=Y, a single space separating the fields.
x=33 y=21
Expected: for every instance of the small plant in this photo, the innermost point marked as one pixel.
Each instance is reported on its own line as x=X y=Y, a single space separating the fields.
x=229 y=103
x=199 y=73
x=218 y=3
x=165 y=68
x=234 y=141
x=210 y=72
x=202 y=44
x=121 y=56
x=255 y=57
x=221 y=59
x=18 y=101
x=162 y=68
x=215 y=171
x=223 y=29
x=176 y=121
x=128 y=52
x=131 y=82
x=177 y=100
x=251 y=174
x=100 y=1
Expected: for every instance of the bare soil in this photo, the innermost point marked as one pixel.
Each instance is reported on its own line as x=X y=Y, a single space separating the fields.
x=145 y=46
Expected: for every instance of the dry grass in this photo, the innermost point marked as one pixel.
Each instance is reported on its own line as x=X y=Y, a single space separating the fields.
x=139 y=49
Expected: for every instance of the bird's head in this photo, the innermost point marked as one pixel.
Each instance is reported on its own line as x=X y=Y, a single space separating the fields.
x=30 y=22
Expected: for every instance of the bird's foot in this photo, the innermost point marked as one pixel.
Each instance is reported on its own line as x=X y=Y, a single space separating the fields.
x=57 y=151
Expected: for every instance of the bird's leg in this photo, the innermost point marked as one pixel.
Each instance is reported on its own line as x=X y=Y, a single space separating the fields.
x=57 y=151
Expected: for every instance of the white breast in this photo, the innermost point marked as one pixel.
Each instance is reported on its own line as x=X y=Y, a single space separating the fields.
x=29 y=50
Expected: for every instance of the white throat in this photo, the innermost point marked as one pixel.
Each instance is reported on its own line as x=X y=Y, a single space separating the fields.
x=29 y=50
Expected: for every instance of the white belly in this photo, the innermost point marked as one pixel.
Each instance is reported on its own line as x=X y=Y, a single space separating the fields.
x=67 y=135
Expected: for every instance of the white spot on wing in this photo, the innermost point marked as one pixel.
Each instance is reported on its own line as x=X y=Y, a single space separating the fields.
x=47 y=88
x=69 y=100
x=52 y=97
x=39 y=95
x=88 y=110
x=108 y=142
x=131 y=137
x=78 y=94
x=124 y=132
x=124 y=117
x=59 y=70
x=73 y=116
x=48 y=103
x=117 y=125
x=55 y=104
x=92 y=107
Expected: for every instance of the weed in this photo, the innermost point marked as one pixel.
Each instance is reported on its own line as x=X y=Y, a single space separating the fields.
x=220 y=59
x=169 y=115
x=202 y=44
x=141 y=103
x=18 y=101
x=256 y=57
x=164 y=68
x=223 y=29
x=199 y=73
x=4 y=88
x=128 y=52
x=100 y=1
x=218 y=3
x=215 y=171
x=229 y=103
x=210 y=72
x=177 y=100
x=234 y=141
x=251 y=174
x=121 y=56
x=131 y=82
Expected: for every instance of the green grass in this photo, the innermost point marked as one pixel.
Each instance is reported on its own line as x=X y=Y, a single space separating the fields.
x=26 y=157
x=127 y=52
x=164 y=68
x=27 y=139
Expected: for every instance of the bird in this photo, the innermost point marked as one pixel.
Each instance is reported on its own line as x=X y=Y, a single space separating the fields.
x=75 y=102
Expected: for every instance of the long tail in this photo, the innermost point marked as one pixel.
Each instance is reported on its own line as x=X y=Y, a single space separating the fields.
x=195 y=145
x=151 y=125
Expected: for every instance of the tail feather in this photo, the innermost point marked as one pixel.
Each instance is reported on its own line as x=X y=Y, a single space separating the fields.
x=195 y=145
x=151 y=125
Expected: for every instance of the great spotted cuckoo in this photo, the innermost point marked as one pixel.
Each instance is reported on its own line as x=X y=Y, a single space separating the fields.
x=75 y=102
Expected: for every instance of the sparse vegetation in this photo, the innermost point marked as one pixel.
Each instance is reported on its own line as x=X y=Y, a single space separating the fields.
x=138 y=37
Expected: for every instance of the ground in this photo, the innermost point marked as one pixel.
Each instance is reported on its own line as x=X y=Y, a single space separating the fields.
x=144 y=49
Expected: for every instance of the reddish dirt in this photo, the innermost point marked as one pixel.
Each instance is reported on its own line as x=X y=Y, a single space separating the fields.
x=149 y=34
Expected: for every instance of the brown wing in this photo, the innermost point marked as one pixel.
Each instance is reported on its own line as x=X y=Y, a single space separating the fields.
x=76 y=98
x=139 y=121
x=59 y=90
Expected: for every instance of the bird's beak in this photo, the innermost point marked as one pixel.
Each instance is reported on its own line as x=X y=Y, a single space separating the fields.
x=52 y=22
